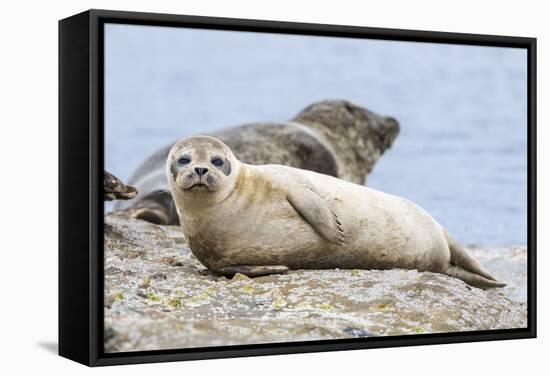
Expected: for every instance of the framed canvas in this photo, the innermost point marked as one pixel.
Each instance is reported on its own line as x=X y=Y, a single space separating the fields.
x=234 y=187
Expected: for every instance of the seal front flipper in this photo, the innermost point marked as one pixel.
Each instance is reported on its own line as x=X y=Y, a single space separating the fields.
x=252 y=270
x=316 y=211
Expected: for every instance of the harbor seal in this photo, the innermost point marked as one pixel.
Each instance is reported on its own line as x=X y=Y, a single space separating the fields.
x=333 y=137
x=256 y=220
x=114 y=189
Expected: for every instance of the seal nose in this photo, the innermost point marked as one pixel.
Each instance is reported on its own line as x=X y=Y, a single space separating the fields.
x=201 y=170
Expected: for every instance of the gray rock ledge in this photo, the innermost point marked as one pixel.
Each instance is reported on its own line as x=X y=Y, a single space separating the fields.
x=159 y=296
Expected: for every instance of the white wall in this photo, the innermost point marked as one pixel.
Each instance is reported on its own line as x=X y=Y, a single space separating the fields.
x=28 y=85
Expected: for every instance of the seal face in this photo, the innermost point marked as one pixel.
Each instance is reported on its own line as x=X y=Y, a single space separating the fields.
x=333 y=137
x=266 y=219
x=200 y=168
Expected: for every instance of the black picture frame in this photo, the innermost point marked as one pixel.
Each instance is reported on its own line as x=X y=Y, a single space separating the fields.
x=81 y=190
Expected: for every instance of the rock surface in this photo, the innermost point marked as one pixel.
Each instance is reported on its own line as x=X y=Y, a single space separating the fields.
x=159 y=296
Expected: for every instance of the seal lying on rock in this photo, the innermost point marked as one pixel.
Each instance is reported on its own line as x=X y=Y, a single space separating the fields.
x=336 y=138
x=258 y=220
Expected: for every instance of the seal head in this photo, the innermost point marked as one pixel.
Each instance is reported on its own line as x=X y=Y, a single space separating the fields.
x=199 y=165
x=358 y=137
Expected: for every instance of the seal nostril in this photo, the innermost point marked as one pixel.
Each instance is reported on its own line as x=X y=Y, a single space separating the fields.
x=201 y=170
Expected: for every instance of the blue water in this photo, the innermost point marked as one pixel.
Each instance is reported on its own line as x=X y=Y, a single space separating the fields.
x=462 y=150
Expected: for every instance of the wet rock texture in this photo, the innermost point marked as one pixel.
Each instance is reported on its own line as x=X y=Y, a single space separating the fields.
x=159 y=296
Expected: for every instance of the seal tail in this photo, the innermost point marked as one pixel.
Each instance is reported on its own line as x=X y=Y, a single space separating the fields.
x=468 y=269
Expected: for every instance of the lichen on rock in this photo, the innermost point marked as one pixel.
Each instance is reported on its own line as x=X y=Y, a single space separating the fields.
x=159 y=296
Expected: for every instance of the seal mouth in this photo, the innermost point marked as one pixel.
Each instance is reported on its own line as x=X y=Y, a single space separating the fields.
x=199 y=186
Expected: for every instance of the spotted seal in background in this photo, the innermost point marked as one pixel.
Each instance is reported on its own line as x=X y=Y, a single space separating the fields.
x=332 y=137
x=233 y=219
x=114 y=189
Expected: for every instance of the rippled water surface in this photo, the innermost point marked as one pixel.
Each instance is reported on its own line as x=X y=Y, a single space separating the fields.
x=462 y=151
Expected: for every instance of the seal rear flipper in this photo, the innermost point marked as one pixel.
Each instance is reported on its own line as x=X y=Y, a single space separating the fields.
x=316 y=211
x=473 y=279
x=252 y=270
x=462 y=259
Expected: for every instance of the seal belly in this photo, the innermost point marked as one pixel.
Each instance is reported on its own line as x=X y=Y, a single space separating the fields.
x=270 y=236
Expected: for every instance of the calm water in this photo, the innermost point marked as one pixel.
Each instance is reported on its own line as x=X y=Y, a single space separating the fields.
x=462 y=149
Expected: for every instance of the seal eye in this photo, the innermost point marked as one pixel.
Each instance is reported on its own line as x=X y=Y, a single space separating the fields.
x=218 y=162
x=183 y=161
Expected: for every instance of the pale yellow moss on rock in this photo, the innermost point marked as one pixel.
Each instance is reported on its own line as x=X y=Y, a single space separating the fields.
x=185 y=305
